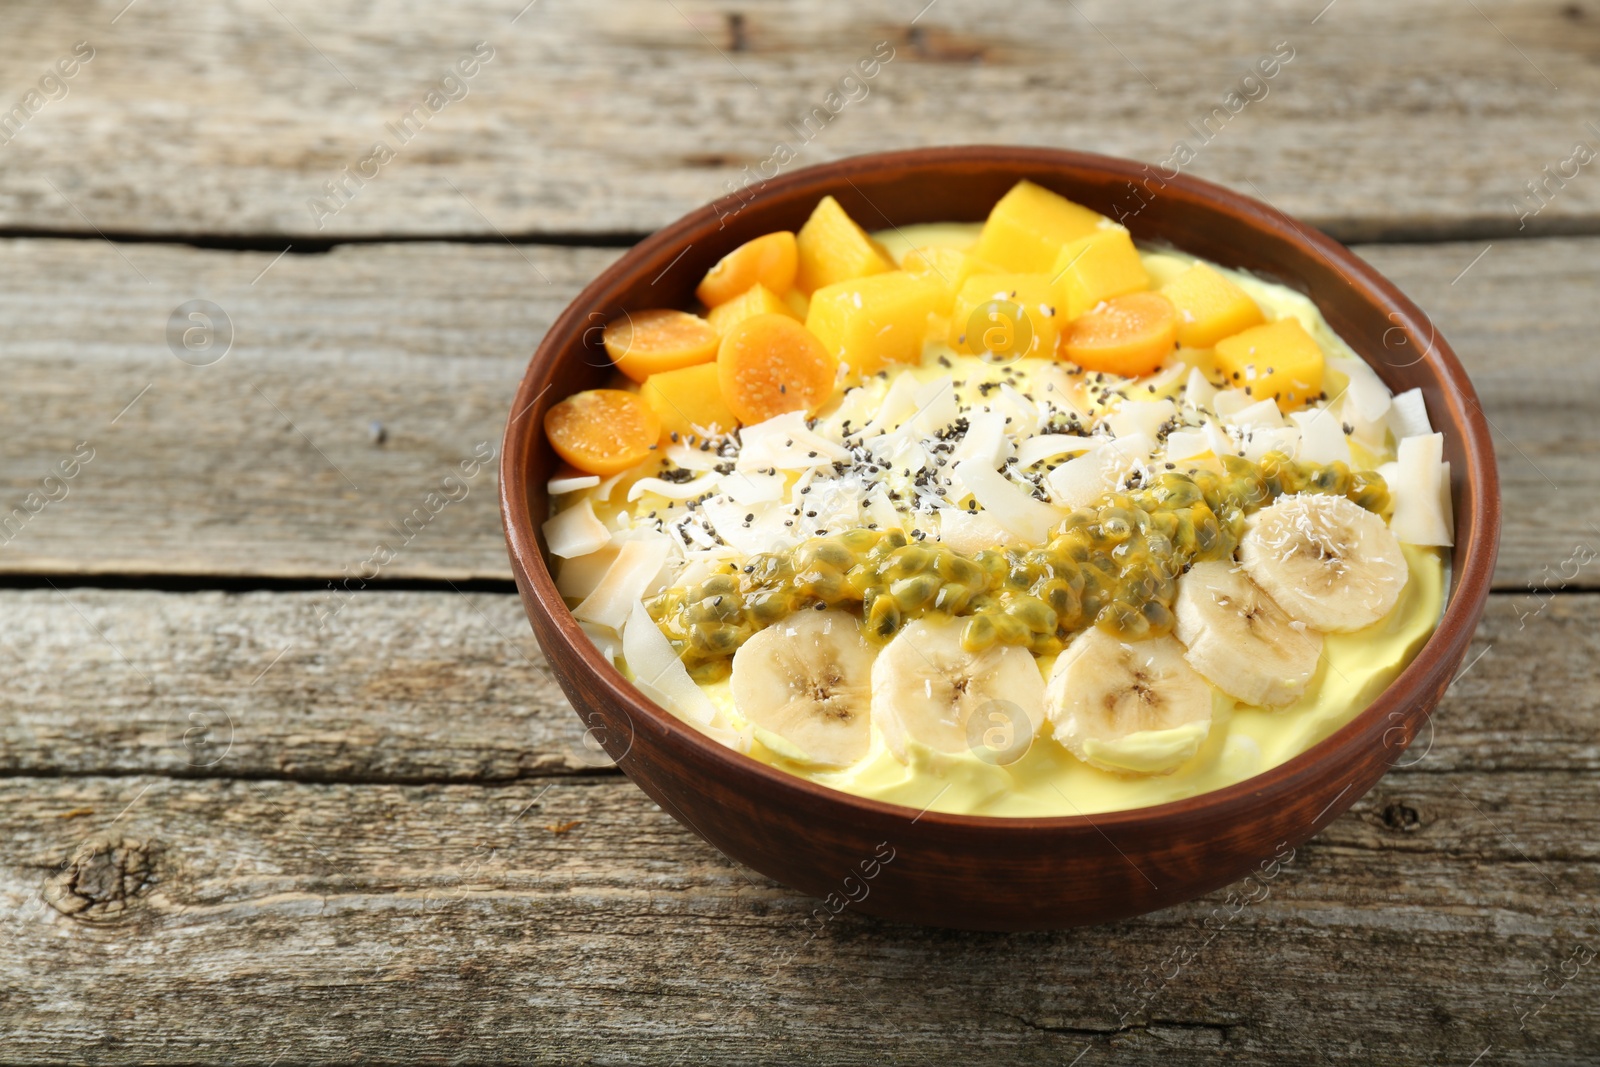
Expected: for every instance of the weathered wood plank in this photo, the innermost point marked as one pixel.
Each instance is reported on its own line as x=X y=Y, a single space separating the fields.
x=407 y=687
x=1517 y=321
x=319 y=922
x=622 y=117
x=382 y=686
x=264 y=463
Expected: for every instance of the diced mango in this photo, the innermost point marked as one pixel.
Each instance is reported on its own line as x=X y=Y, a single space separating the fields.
x=756 y=300
x=689 y=402
x=833 y=248
x=1163 y=266
x=1280 y=360
x=1005 y=316
x=1095 y=268
x=1028 y=227
x=799 y=303
x=900 y=240
x=945 y=267
x=869 y=322
x=1210 y=306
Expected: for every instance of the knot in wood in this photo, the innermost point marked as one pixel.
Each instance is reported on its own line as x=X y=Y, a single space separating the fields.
x=1402 y=817
x=101 y=879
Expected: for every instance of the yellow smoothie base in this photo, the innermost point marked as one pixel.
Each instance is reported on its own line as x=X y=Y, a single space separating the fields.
x=1243 y=741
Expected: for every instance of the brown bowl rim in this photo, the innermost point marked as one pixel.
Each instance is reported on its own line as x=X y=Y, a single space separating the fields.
x=1471 y=580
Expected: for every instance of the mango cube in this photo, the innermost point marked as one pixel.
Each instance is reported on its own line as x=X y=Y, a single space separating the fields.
x=1279 y=360
x=799 y=303
x=1005 y=316
x=868 y=322
x=1095 y=268
x=833 y=248
x=1028 y=227
x=945 y=267
x=756 y=300
x=1210 y=306
x=689 y=402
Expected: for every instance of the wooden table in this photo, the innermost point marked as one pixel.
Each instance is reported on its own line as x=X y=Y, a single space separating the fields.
x=255 y=810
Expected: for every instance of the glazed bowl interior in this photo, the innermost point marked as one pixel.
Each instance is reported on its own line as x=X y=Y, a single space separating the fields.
x=977 y=871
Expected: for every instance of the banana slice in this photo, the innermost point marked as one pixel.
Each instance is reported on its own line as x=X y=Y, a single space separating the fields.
x=1132 y=707
x=1326 y=560
x=927 y=688
x=805 y=686
x=1241 y=640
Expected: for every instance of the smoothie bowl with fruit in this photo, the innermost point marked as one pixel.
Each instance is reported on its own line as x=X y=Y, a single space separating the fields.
x=1004 y=521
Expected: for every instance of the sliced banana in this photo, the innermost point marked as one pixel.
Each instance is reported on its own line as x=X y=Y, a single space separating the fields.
x=1241 y=640
x=1326 y=560
x=928 y=689
x=1128 y=706
x=804 y=684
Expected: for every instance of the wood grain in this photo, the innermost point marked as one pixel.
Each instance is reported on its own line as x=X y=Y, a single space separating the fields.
x=543 y=923
x=408 y=687
x=285 y=828
x=264 y=463
x=194 y=119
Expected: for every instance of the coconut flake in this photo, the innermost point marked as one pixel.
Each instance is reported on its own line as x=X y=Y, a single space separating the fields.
x=882 y=511
x=754 y=487
x=659 y=673
x=785 y=443
x=1368 y=396
x=898 y=403
x=1011 y=507
x=1372 y=435
x=1024 y=413
x=971 y=532
x=1222 y=443
x=1163 y=379
x=673 y=490
x=570 y=480
x=1055 y=389
x=1409 y=415
x=1198 y=392
x=1279 y=439
x=1446 y=506
x=1322 y=439
x=1186 y=444
x=578 y=576
x=1140 y=417
x=936 y=405
x=1044 y=446
x=908 y=456
x=1262 y=415
x=1080 y=482
x=604 y=639
x=1229 y=401
x=575 y=531
x=638 y=563
x=728 y=519
x=692 y=459
x=984 y=440
x=1417 y=487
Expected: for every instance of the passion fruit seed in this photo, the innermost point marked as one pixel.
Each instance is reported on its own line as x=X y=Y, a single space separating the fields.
x=1113 y=565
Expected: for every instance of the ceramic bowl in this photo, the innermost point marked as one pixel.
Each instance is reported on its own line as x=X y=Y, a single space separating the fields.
x=985 y=872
